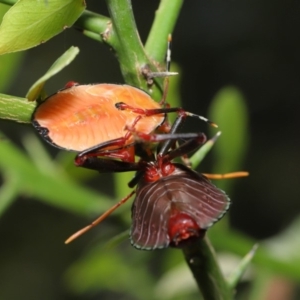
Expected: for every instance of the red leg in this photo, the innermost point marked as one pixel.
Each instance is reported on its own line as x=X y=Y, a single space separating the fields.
x=120 y=150
x=151 y=112
x=117 y=148
x=190 y=145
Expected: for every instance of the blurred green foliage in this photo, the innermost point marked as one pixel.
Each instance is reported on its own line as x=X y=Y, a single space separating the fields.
x=32 y=173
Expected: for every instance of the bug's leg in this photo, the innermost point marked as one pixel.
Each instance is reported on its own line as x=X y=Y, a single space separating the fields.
x=144 y=137
x=190 y=145
x=98 y=220
x=165 y=110
x=117 y=148
x=106 y=165
x=169 y=138
x=111 y=149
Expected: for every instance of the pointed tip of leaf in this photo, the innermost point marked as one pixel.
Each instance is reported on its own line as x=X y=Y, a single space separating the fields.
x=237 y=274
x=63 y=61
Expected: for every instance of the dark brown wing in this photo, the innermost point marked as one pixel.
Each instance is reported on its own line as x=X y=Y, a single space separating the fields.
x=150 y=216
x=184 y=190
x=199 y=198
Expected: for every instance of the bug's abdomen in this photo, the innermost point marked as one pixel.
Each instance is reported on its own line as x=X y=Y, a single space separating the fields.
x=83 y=116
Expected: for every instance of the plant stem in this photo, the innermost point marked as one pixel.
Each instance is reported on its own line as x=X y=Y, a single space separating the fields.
x=202 y=261
x=125 y=40
x=164 y=23
x=92 y=22
x=16 y=109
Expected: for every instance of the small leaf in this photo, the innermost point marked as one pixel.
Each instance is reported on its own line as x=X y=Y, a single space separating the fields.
x=237 y=274
x=57 y=66
x=199 y=155
x=10 y=62
x=30 y=22
x=240 y=244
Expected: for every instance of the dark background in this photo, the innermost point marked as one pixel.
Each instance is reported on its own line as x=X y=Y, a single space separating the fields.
x=253 y=45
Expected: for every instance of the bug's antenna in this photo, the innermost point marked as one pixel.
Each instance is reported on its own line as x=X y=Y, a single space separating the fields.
x=227 y=175
x=98 y=220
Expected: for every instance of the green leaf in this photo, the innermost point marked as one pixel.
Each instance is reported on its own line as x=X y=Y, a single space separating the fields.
x=237 y=274
x=3 y=10
x=8 y=191
x=9 y=62
x=199 y=155
x=240 y=244
x=52 y=188
x=30 y=23
x=57 y=66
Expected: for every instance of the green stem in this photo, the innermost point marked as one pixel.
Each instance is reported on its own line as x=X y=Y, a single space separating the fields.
x=92 y=23
x=125 y=40
x=202 y=261
x=16 y=109
x=165 y=20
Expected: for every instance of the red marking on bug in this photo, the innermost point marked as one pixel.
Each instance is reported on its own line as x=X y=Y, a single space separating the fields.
x=182 y=227
x=70 y=84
